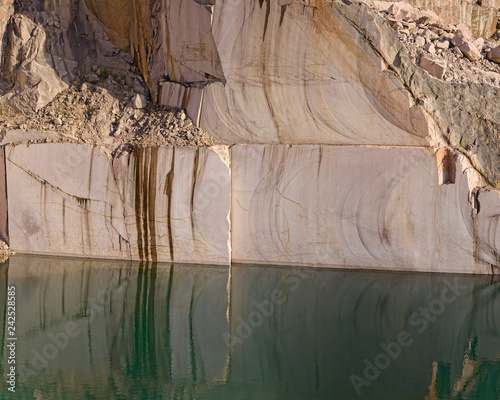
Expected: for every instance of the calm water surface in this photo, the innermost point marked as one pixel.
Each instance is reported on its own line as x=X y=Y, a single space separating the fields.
x=119 y=330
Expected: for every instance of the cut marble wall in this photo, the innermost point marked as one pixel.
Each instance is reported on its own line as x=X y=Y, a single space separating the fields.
x=355 y=206
x=158 y=204
x=176 y=203
x=340 y=206
x=301 y=74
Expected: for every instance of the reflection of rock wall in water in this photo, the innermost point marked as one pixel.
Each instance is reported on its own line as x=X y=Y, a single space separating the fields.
x=324 y=324
x=263 y=331
x=133 y=321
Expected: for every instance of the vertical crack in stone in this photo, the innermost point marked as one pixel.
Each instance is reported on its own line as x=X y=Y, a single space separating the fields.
x=268 y=11
x=195 y=175
x=168 y=191
x=138 y=179
x=4 y=201
x=282 y=14
x=144 y=204
x=153 y=166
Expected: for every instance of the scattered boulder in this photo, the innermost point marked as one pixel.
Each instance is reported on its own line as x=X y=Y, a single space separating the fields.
x=139 y=101
x=443 y=45
x=458 y=40
x=93 y=78
x=430 y=48
x=420 y=41
x=470 y=51
x=401 y=10
x=494 y=54
x=424 y=20
x=434 y=67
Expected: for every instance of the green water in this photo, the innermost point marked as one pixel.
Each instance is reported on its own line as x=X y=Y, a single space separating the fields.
x=119 y=330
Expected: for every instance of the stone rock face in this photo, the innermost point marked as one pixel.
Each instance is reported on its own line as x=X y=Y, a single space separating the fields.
x=365 y=207
x=177 y=95
x=49 y=46
x=332 y=73
x=6 y=11
x=454 y=108
x=157 y=204
x=335 y=130
x=167 y=38
x=27 y=67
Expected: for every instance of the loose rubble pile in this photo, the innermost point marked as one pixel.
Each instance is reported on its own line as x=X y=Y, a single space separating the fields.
x=107 y=112
x=448 y=52
x=5 y=252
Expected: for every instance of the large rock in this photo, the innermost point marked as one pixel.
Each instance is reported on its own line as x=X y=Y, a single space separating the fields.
x=27 y=67
x=494 y=54
x=158 y=204
x=436 y=67
x=470 y=51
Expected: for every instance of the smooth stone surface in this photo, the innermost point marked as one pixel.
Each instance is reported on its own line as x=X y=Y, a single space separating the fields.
x=301 y=74
x=354 y=206
x=159 y=204
x=176 y=203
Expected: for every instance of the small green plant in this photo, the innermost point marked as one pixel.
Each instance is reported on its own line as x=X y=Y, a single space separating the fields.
x=104 y=72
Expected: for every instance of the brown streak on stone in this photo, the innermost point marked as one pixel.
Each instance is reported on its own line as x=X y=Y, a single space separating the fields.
x=169 y=180
x=138 y=177
x=144 y=209
x=195 y=175
x=268 y=10
x=152 y=202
